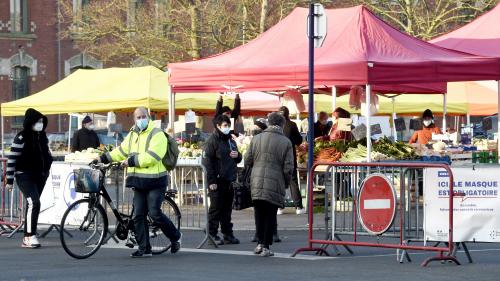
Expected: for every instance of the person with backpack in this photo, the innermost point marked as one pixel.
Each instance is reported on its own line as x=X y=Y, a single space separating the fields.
x=144 y=152
x=220 y=158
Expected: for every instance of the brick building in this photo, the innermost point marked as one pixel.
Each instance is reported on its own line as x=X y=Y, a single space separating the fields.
x=32 y=57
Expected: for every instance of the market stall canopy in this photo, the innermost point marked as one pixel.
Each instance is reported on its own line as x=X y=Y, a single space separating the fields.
x=98 y=90
x=409 y=105
x=480 y=96
x=480 y=37
x=359 y=49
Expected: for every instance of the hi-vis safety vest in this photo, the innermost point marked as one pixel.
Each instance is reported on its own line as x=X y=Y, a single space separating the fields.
x=147 y=149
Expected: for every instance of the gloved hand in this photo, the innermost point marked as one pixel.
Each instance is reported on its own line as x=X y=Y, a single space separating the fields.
x=212 y=187
x=9 y=187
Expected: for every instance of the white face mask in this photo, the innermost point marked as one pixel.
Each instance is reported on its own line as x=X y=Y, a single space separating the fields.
x=38 y=127
x=225 y=131
x=427 y=123
x=91 y=127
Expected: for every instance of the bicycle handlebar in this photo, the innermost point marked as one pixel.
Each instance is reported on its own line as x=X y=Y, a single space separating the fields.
x=102 y=166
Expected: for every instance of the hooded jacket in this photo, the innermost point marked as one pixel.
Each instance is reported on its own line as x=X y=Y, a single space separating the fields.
x=270 y=156
x=30 y=150
x=216 y=159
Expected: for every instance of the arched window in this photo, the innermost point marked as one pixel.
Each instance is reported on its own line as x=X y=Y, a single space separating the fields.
x=20 y=89
x=81 y=61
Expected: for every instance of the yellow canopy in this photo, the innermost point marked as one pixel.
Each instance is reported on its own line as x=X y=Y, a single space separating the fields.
x=413 y=104
x=99 y=90
x=480 y=96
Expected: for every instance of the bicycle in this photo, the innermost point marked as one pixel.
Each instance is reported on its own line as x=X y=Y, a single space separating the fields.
x=84 y=225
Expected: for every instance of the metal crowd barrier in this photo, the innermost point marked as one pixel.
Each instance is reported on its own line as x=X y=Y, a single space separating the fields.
x=190 y=182
x=343 y=185
x=11 y=205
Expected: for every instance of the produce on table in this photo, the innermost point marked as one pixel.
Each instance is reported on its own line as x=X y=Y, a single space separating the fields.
x=395 y=150
x=439 y=146
x=359 y=153
x=84 y=156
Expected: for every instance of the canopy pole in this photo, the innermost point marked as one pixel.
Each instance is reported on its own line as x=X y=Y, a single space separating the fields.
x=3 y=147
x=468 y=118
x=69 y=133
x=334 y=98
x=368 y=126
x=171 y=110
x=498 y=119
x=394 y=132
x=444 y=112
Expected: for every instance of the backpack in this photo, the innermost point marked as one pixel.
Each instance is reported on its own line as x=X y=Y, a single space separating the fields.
x=170 y=158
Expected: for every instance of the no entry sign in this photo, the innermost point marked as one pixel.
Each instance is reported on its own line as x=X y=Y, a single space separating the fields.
x=376 y=204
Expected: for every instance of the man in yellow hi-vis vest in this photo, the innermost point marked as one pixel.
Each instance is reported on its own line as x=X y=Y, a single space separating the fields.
x=142 y=152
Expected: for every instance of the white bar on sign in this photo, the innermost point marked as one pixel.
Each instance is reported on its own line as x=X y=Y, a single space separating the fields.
x=377 y=204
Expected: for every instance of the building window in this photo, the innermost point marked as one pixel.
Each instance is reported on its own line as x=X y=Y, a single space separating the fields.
x=19 y=16
x=20 y=88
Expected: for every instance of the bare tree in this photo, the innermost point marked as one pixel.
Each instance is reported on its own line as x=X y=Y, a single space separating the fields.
x=426 y=19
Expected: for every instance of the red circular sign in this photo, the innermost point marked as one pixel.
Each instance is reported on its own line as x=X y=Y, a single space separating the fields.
x=376 y=204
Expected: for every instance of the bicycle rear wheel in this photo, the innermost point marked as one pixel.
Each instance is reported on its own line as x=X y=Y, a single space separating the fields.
x=83 y=228
x=159 y=241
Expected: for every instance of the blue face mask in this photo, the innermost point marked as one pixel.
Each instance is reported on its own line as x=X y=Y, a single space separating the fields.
x=142 y=123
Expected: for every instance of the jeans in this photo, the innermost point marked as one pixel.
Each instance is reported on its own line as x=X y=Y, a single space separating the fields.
x=148 y=202
x=31 y=185
x=265 y=221
x=221 y=208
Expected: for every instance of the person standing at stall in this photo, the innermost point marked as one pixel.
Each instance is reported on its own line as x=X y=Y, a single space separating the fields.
x=425 y=135
x=234 y=114
x=29 y=164
x=335 y=133
x=291 y=131
x=86 y=137
x=220 y=158
x=270 y=156
x=322 y=126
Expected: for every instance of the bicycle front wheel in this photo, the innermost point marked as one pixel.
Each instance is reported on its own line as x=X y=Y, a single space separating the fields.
x=83 y=228
x=159 y=241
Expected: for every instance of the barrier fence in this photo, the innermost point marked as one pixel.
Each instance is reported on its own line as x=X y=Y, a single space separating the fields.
x=11 y=205
x=379 y=200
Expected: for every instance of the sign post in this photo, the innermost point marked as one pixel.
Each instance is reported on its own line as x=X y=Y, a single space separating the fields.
x=316 y=32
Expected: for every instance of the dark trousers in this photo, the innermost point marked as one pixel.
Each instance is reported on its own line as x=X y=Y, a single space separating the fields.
x=295 y=190
x=265 y=221
x=148 y=202
x=221 y=207
x=31 y=185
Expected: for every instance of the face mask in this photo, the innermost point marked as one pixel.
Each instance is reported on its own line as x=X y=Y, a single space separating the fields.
x=91 y=127
x=142 y=123
x=225 y=131
x=323 y=122
x=38 y=127
x=427 y=123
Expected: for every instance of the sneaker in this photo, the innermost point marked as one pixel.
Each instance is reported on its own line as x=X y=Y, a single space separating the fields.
x=176 y=246
x=266 y=253
x=218 y=240
x=258 y=249
x=300 y=211
x=230 y=239
x=141 y=254
x=280 y=212
x=30 y=242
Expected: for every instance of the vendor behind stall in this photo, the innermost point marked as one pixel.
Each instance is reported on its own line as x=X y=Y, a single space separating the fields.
x=322 y=127
x=425 y=135
x=336 y=134
x=85 y=137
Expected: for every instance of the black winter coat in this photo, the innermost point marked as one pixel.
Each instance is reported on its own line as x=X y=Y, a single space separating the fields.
x=216 y=159
x=291 y=131
x=30 y=150
x=83 y=139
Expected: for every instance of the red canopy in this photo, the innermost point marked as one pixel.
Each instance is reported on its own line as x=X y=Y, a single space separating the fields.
x=359 y=49
x=480 y=37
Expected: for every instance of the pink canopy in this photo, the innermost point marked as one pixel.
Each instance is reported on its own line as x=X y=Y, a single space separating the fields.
x=480 y=37
x=359 y=49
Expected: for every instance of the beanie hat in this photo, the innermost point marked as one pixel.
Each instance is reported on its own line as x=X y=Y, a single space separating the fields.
x=86 y=120
x=261 y=123
x=427 y=114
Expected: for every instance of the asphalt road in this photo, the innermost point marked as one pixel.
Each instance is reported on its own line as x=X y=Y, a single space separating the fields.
x=236 y=262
